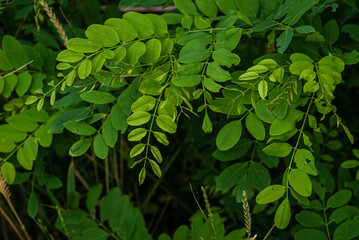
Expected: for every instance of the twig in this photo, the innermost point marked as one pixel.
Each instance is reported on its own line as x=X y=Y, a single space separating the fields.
x=270 y=230
x=55 y=21
x=4 y=190
x=115 y=169
x=107 y=176
x=8 y=219
x=159 y=180
x=17 y=69
x=82 y=180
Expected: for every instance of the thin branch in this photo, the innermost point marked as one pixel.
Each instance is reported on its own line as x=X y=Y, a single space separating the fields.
x=17 y=69
x=13 y=226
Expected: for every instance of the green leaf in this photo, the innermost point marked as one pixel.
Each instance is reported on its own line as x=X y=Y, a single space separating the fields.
x=201 y=22
x=187 y=80
x=43 y=136
x=135 y=51
x=248 y=76
x=331 y=31
x=339 y=199
x=14 y=51
x=309 y=219
x=10 y=84
x=298 y=67
x=32 y=205
x=70 y=78
x=12 y=134
x=5 y=64
x=305 y=29
x=310 y=234
x=93 y=196
x=23 y=84
x=142 y=175
x=155 y=168
x=141 y=22
x=255 y=127
x=231 y=176
x=82 y=45
x=166 y=123
x=229 y=135
x=353 y=31
x=248 y=8
x=186 y=6
x=24 y=159
x=297 y=11
x=172 y=18
x=102 y=35
x=79 y=128
x=109 y=133
x=84 y=69
x=284 y=40
x=341 y=214
x=137 y=150
x=217 y=73
x=211 y=85
x=225 y=57
x=69 y=56
x=6 y=145
x=270 y=194
x=156 y=153
x=110 y=204
x=144 y=103
x=347 y=230
x=187 y=21
x=262 y=112
x=283 y=214
x=125 y=30
x=281 y=126
x=28 y=153
x=350 y=164
x=304 y=160
x=278 y=149
x=138 y=118
x=153 y=51
x=80 y=147
x=263 y=26
x=226 y=5
x=228 y=39
x=137 y=134
x=161 y=138
x=97 y=97
x=300 y=182
x=100 y=147
x=263 y=89
x=159 y=23
x=118 y=118
x=22 y=123
x=259 y=176
x=207 y=7
x=194 y=56
x=120 y=54
x=8 y=172
x=207 y=124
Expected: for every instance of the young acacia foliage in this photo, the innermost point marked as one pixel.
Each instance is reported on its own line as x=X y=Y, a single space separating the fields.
x=141 y=74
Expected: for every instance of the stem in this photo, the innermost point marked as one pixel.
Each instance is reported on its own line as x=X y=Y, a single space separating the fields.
x=18 y=218
x=326 y=220
x=297 y=143
x=13 y=226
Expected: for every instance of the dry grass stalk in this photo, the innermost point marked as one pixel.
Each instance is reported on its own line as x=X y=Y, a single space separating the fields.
x=247 y=215
x=55 y=21
x=4 y=190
